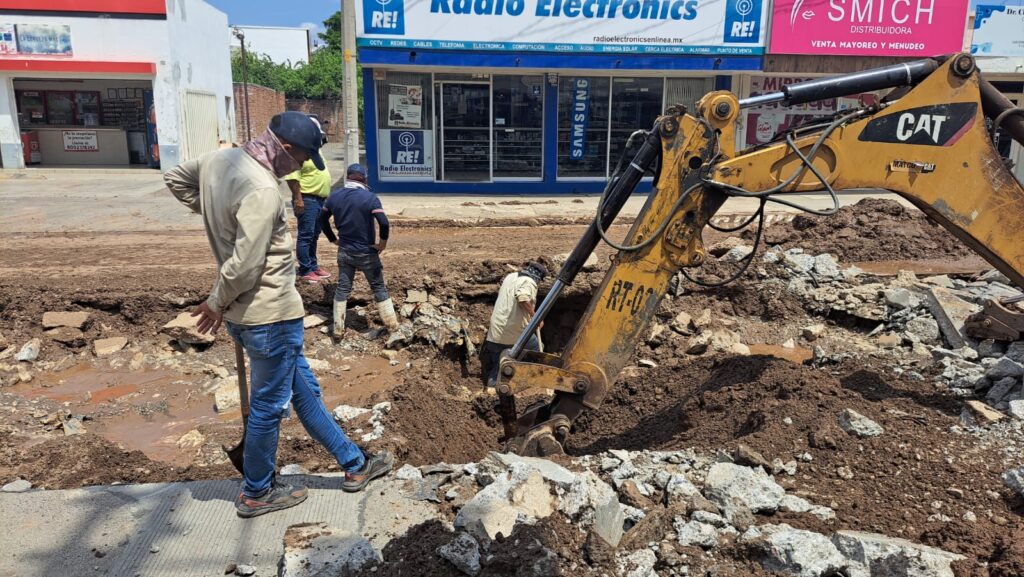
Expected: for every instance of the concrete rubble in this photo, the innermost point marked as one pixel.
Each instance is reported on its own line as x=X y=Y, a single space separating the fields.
x=316 y=550
x=707 y=504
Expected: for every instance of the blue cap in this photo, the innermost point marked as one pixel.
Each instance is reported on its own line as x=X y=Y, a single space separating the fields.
x=299 y=130
x=356 y=169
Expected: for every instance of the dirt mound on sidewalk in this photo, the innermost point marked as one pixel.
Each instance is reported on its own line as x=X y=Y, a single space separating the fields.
x=872 y=230
x=80 y=461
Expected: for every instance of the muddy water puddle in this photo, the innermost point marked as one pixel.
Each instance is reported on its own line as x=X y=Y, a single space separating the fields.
x=794 y=355
x=149 y=410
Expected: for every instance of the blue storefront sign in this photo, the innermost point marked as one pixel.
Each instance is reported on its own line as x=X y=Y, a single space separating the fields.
x=384 y=17
x=580 y=119
x=407 y=147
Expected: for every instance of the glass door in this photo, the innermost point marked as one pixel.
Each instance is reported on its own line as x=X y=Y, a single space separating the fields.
x=465 y=132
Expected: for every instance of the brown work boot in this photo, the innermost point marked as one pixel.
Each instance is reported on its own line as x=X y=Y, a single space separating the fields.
x=377 y=465
x=278 y=496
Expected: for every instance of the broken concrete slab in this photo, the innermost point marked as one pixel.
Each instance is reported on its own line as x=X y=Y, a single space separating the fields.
x=29 y=351
x=313 y=321
x=1014 y=479
x=182 y=328
x=17 y=486
x=690 y=533
x=518 y=495
x=1004 y=368
x=73 y=427
x=551 y=471
x=416 y=296
x=463 y=552
x=875 y=555
x=317 y=550
x=950 y=311
x=74 y=320
x=226 y=395
x=726 y=484
x=67 y=336
x=857 y=424
x=106 y=347
x=800 y=553
x=978 y=414
x=609 y=522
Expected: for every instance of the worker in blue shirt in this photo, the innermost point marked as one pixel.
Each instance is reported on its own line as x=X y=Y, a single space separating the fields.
x=356 y=209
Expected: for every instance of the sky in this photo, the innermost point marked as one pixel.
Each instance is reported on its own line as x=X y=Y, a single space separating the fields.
x=305 y=13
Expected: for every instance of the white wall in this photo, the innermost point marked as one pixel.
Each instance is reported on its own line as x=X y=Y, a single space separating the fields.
x=282 y=45
x=200 y=59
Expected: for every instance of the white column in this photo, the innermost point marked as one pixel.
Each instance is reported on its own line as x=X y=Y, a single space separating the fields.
x=11 y=155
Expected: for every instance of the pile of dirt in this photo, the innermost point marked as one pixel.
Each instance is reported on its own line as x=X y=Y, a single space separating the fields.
x=551 y=547
x=440 y=414
x=80 y=461
x=872 y=230
x=897 y=484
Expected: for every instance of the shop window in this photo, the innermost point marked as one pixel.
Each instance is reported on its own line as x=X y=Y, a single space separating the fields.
x=636 y=104
x=405 y=135
x=518 y=118
x=60 y=107
x=583 y=126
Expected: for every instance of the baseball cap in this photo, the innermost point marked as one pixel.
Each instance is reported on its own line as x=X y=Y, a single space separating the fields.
x=356 y=169
x=299 y=130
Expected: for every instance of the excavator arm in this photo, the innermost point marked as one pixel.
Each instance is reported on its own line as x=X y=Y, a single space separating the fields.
x=929 y=144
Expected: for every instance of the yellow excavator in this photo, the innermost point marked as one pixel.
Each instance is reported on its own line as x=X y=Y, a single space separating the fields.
x=930 y=140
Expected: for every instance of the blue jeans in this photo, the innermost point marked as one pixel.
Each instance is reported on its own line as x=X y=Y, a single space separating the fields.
x=279 y=374
x=309 y=232
x=371 y=267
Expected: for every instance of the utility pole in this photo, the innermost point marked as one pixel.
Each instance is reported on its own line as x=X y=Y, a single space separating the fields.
x=245 y=81
x=349 y=87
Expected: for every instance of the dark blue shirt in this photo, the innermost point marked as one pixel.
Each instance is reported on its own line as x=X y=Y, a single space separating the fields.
x=354 y=210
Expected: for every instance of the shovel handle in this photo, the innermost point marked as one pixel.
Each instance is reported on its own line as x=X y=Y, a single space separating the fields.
x=243 y=381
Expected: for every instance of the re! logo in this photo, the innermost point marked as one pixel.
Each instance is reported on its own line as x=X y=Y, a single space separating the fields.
x=384 y=17
x=742 y=21
x=407 y=147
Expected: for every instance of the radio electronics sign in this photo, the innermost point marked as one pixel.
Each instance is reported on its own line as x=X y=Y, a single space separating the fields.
x=700 y=27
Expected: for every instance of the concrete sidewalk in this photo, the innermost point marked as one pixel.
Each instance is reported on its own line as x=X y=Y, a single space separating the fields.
x=137 y=201
x=181 y=529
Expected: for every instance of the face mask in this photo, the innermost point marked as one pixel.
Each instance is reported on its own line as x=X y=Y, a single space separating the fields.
x=267 y=150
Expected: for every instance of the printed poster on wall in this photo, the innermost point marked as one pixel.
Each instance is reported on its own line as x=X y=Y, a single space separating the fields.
x=406 y=154
x=764 y=123
x=711 y=27
x=44 y=39
x=8 y=43
x=999 y=29
x=405 y=106
x=80 y=141
x=919 y=28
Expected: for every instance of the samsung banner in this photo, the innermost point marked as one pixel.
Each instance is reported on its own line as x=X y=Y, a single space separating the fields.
x=712 y=27
x=999 y=28
x=916 y=28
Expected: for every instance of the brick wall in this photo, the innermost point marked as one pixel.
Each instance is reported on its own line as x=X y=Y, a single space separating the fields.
x=326 y=109
x=264 y=103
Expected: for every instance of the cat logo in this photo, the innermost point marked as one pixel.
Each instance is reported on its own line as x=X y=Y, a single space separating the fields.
x=939 y=125
x=930 y=124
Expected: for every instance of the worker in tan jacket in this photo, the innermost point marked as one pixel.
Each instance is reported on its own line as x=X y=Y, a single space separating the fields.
x=236 y=191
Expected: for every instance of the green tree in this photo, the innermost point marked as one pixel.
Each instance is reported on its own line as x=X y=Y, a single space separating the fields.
x=320 y=78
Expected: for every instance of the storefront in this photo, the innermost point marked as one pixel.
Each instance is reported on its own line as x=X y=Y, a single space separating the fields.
x=113 y=83
x=997 y=41
x=87 y=122
x=539 y=96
